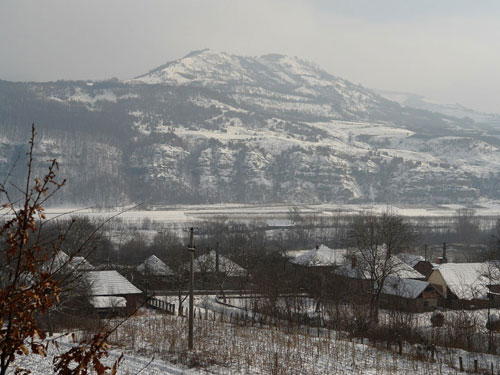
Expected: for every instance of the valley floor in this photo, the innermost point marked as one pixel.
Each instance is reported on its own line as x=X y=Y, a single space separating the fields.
x=274 y=214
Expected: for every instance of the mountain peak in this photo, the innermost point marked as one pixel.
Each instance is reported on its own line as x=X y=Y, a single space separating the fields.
x=203 y=67
x=213 y=69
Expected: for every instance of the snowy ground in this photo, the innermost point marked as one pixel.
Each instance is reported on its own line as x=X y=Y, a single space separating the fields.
x=274 y=214
x=130 y=364
x=223 y=348
x=155 y=344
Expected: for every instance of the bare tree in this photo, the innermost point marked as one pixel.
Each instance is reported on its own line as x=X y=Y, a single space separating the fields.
x=375 y=240
x=31 y=277
x=178 y=258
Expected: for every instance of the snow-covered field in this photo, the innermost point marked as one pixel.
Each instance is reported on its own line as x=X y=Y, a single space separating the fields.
x=155 y=344
x=274 y=214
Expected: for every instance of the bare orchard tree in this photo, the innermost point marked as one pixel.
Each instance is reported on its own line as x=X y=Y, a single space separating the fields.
x=31 y=281
x=375 y=240
x=178 y=262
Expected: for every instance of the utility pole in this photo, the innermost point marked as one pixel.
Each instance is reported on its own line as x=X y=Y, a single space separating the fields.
x=191 y=249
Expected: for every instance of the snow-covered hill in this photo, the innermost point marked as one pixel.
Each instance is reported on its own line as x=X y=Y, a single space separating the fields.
x=270 y=82
x=214 y=127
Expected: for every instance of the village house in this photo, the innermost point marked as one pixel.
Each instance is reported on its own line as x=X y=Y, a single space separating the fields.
x=214 y=270
x=418 y=263
x=409 y=294
x=348 y=263
x=110 y=292
x=152 y=275
x=154 y=266
x=424 y=267
x=403 y=288
x=467 y=285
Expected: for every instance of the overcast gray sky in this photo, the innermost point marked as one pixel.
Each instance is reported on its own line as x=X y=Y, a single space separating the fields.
x=448 y=50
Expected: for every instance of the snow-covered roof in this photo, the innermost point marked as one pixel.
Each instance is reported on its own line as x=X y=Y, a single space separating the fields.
x=207 y=263
x=404 y=271
x=154 y=266
x=341 y=259
x=107 y=302
x=62 y=261
x=58 y=261
x=109 y=283
x=469 y=280
x=81 y=264
x=410 y=259
x=322 y=256
x=406 y=288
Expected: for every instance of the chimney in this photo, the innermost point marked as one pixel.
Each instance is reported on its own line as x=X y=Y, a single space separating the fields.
x=317 y=246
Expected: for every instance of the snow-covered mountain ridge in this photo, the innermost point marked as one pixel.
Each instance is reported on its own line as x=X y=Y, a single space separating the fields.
x=269 y=81
x=214 y=127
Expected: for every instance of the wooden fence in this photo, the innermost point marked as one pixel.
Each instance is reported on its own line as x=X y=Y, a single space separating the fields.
x=159 y=304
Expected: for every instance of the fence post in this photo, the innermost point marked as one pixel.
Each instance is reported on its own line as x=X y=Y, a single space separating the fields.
x=461 y=364
x=475 y=366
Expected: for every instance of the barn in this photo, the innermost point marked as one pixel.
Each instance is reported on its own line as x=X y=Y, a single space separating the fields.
x=110 y=292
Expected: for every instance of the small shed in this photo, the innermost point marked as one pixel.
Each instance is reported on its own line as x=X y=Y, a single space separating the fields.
x=111 y=292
